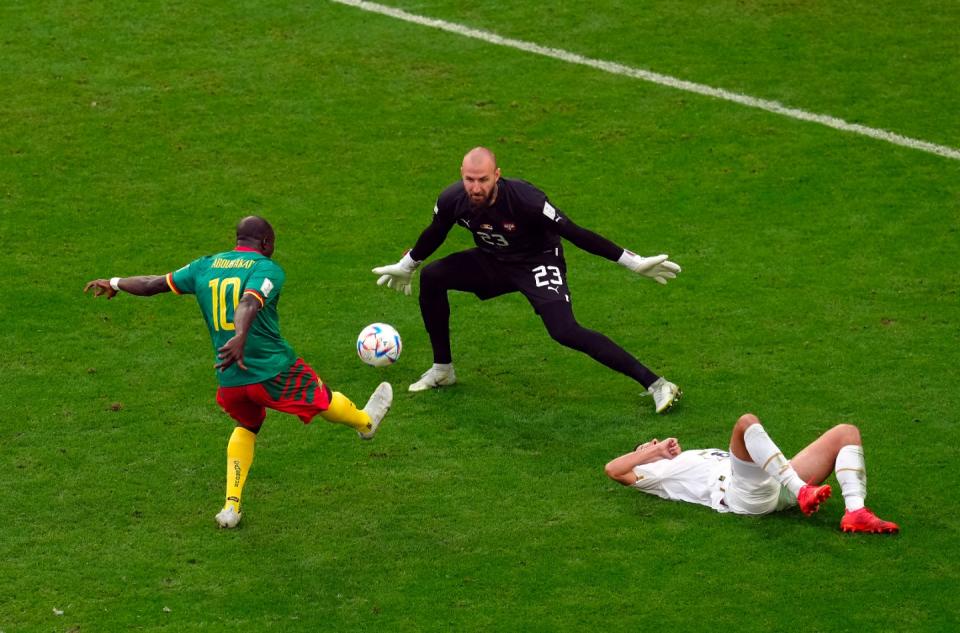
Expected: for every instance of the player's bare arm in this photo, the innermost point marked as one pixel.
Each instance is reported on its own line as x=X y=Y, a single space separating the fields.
x=621 y=468
x=142 y=286
x=232 y=351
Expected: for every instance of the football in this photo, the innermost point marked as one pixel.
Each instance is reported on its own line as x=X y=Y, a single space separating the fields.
x=379 y=345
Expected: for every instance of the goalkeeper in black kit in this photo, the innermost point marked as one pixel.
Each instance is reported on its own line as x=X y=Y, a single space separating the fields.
x=518 y=234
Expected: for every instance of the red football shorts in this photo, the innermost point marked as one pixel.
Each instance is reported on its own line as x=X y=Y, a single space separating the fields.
x=297 y=390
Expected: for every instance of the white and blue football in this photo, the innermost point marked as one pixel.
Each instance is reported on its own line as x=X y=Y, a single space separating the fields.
x=379 y=345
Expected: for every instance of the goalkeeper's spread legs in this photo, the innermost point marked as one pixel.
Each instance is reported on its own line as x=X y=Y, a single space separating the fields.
x=471 y=271
x=563 y=328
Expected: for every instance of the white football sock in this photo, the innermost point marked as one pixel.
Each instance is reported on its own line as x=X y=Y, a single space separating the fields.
x=767 y=456
x=851 y=472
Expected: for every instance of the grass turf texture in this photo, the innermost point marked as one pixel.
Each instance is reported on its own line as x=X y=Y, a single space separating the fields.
x=819 y=286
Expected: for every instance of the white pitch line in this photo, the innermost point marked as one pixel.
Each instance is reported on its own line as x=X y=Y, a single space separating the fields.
x=657 y=78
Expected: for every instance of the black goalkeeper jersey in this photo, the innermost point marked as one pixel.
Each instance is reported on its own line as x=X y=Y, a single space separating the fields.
x=521 y=224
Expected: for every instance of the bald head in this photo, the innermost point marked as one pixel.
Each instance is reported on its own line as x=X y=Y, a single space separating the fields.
x=480 y=157
x=479 y=173
x=255 y=232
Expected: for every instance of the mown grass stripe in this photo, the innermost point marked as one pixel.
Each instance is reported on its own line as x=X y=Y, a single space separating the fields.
x=664 y=80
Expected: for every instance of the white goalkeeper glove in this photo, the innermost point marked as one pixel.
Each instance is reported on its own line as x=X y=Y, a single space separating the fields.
x=397 y=276
x=658 y=268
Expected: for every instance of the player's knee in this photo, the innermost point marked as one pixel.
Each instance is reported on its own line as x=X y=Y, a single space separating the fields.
x=566 y=332
x=747 y=419
x=253 y=427
x=848 y=434
x=565 y=336
x=429 y=277
x=432 y=276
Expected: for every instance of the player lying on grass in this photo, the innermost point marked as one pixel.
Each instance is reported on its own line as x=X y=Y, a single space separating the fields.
x=755 y=477
x=238 y=291
x=518 y=234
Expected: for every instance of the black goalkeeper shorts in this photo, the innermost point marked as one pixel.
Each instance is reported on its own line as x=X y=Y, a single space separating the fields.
x=541 y=278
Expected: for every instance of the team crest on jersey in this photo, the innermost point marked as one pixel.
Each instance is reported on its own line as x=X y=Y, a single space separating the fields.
x=509 y=227
x=549 y=211
x=486 y=227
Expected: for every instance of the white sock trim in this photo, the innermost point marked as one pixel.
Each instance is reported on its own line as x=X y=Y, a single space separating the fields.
x=851 y=472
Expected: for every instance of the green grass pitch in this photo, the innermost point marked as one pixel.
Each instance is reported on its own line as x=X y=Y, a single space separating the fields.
x=819 y=286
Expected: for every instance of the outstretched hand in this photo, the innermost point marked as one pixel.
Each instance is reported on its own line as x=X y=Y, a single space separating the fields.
x=392 y=276
x=398 y=276
x=658 y=267
x=231 y=352
x=101 y=287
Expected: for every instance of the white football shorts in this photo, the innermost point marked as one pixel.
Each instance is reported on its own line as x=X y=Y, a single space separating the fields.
x=752 y=491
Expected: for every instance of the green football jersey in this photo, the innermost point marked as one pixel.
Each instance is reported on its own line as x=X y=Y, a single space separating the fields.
x=219 y=282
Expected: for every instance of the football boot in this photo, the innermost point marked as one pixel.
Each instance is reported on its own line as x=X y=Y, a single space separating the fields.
x=863 y=520
x=433 y=378
x=377 y=407
x=665 y=394
x=810 y=497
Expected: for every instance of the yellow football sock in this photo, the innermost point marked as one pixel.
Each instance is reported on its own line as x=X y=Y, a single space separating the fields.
x=239 y=460
x=343 y=411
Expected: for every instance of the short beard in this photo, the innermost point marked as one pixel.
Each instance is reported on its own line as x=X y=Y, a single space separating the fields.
x=487 y=200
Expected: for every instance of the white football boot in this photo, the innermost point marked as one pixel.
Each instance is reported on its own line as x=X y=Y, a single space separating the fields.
x=377 y=407
x=228 y=518
x=436 y=376
x=665 y=394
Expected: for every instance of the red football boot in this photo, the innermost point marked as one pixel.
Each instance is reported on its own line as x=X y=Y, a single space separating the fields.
x=810 y=498
x=863 y=520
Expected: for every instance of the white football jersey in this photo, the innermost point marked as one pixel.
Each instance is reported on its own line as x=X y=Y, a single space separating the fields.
x=696 y=476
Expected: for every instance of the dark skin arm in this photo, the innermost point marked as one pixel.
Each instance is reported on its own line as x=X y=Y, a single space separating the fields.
x=142 y=286
x=232 y=351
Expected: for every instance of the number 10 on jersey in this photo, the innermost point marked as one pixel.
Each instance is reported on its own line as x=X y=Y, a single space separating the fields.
x=219 y=304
